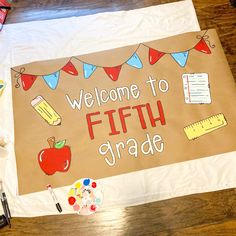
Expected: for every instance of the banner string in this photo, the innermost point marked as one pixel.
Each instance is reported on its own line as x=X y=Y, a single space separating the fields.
x=99 y=66
x=22 y=70
x=17 y=76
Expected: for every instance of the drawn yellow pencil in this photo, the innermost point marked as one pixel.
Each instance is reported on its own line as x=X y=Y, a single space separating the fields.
x=46 y=111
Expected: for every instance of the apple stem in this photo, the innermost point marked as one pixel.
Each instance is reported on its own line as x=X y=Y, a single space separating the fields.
x=51 y=142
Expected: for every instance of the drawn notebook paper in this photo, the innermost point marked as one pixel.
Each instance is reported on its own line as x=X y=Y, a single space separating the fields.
x=196 y=88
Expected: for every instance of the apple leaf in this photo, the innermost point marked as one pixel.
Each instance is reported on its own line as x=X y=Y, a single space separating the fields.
x=60 y=144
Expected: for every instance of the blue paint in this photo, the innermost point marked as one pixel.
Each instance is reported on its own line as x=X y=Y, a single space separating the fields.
x=86 y=182
x=135 y=61
x=180 y=57
x=52 y=79
x=1 y=86
x=88 y=70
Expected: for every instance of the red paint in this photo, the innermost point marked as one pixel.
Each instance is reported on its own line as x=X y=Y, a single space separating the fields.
x=123 y=116
x=113 y=72
x=154 y=56
x=140 y=115
x=93 y=208
x=112 y=122
x=160 y=117
x=188 y=90
x=91 y=123
x=27 y=81
x=202 y=47
x=94 y=185
x=71 y=200
x=52 y=160
x=70 y=69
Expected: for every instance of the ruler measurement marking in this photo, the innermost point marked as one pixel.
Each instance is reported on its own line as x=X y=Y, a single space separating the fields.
x=205 y=126
x=222 y=123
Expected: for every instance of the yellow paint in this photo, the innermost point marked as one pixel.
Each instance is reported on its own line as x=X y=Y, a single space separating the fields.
x=78 y=185
x=205 y=126
x=71 y=192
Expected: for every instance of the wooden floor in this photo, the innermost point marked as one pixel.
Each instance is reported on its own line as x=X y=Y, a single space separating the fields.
x=200 y=214
x=209 y=214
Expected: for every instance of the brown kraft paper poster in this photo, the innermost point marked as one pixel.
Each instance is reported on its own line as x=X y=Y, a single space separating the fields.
x=122 y=110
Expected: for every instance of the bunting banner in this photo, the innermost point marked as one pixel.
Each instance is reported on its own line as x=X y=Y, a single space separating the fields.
x=88 y=70
x=122 y=110
x=154 y=56
x=52 y=79
x=180 y=57
x=70 y=69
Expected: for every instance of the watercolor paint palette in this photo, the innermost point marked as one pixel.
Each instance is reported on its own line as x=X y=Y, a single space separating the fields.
x=85 y=196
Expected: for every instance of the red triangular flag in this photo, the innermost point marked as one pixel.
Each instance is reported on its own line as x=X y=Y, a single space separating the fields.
x=202 y=47
x=27 y=81
x=70 y=69
x=113 y=72
x=154 y=55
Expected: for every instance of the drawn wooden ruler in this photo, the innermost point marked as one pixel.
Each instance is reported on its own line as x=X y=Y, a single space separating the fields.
x=205 y=126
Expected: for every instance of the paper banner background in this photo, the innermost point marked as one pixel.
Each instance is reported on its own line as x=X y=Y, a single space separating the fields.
x=178 y=114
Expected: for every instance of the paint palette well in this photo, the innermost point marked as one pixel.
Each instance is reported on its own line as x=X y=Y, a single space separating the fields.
x=85 y=196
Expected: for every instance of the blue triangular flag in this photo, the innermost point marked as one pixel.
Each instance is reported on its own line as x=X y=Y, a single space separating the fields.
x=180 y=57
x=52 y=79
x=134 y=61
x=88 y=70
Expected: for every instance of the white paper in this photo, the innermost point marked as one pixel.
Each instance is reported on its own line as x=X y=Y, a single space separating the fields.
x=33 y=41
x=196 y=88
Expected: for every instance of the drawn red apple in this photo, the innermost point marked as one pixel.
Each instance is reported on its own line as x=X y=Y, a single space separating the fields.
x=56 y=158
